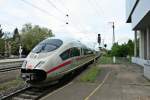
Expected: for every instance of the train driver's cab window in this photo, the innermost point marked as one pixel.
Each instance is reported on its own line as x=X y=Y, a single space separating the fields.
x=75 y=52
x=65 y=55
x=47 y=46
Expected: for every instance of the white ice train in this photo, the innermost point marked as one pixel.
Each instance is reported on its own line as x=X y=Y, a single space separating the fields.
x=53 y=58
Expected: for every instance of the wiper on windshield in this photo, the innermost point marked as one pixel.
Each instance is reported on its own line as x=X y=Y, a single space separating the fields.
x=40 y=49
x=54 y=44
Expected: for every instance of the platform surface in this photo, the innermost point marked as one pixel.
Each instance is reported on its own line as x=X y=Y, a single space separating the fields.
x=116 y=82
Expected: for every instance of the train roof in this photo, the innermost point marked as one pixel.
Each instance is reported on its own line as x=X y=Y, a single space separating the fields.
x=67 y=40
x=64 y=39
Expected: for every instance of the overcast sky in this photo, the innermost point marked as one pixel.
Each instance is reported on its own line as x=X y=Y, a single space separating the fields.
x=86 y=18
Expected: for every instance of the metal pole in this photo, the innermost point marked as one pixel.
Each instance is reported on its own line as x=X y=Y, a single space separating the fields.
x=113 y=26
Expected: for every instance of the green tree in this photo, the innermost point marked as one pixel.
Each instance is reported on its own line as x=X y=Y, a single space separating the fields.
x=130 y=46
x=15 y=42
x=114 y=49
x=2 y=44
x=32 y=35
x=16 y=35
x=14 y=47
x=1 y=32
x=123 y=50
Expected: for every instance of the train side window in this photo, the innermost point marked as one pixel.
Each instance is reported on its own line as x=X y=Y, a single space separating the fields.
x=81 y=51
x=75 y=52
x=85 y=51
x=65 y=55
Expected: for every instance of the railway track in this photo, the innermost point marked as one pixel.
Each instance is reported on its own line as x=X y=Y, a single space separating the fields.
x=34 y=93
x=10 y=64
x=9 y=69
x=29 y=93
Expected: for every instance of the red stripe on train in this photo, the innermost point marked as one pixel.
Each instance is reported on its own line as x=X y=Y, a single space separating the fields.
x=59 y=66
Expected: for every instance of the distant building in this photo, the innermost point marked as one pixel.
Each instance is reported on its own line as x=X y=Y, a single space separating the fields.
x=138 y=13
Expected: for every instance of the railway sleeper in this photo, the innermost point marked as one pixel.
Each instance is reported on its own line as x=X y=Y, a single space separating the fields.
x=26 y=96
x=32 y=93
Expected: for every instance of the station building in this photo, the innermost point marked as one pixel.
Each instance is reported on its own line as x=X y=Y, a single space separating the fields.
x=138 y=14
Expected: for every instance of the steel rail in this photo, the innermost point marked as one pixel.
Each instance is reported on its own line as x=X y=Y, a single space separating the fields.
x=9 y=69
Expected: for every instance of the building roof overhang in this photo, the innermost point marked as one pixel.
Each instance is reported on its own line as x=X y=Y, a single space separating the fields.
x=129 y=18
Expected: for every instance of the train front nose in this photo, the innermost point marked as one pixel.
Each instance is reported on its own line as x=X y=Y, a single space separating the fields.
x=33 y=75
x=32 y=70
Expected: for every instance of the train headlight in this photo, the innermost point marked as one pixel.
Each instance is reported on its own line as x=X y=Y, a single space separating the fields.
x=24 y=64
x=39 y=64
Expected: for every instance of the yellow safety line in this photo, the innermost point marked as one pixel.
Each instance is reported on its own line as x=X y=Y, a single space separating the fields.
x=100 y=85
x=55 y=91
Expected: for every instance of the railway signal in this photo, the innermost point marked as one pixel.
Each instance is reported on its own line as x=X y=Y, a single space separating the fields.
x=99 y=39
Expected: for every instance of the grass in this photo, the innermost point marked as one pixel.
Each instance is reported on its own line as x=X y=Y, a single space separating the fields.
x=105 y=60
x=90 y=75
x=109 y=60
x=10 y=84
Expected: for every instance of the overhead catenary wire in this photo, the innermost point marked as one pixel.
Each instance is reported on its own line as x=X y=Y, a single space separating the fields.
x=59 y=10
x=43 y=10
x=70 y=20
x=61 y=2
x=53 y=5
x=94 y=5
x=94 y=9
x=68 y=16
x=48 y=13
x=75 y=25
x=98 y=5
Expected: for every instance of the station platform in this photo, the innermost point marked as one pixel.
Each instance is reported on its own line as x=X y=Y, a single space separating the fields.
x=115 y=82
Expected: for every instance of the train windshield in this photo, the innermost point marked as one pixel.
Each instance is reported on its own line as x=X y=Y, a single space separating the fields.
x=47 y=46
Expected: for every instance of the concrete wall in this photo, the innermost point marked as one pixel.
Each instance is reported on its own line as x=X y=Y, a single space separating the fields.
x=144 y=63
x=147 y=69
x=138 y=61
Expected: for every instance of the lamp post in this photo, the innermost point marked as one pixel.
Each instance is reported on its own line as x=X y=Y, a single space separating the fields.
x=113 y=39
x=113 y=26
